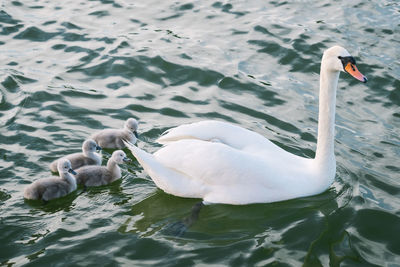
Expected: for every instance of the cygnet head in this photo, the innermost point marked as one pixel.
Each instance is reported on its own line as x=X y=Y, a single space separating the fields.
x=337 y=58
x=64 y=166
x=132 y=125
x=119 y=157
x=90 y=146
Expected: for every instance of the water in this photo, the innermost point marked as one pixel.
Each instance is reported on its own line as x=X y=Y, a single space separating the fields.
x=70 y=68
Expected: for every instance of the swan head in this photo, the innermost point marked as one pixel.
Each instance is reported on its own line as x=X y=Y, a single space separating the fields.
x=132 y=125
x=90 y=146
x=64 y=166
x=337 y=58
x=120 y=157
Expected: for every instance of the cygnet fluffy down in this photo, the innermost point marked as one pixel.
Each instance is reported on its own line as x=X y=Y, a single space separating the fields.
x=51 y=188
x=101 y=175
x=113 y=138
x=87 y=157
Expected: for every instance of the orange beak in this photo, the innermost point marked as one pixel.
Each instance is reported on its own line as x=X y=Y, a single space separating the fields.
x=353 y=71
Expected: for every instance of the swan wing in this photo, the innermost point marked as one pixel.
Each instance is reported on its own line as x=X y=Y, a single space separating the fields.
x=232 y=176
x=217 y=164
x=217 y=131
x=219 y=173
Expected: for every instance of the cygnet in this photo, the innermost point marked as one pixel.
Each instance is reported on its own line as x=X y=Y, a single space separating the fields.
x=87 y=157
x=101 y=175
x=113 y=138
x=51 y=188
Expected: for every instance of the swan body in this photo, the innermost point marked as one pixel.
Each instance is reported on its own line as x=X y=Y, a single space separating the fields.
x=101 y=175
x=113 y=138
x=87 y=157
x=224 y=163
x=51 y=188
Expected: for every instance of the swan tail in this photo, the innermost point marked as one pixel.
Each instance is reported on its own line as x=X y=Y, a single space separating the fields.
x=167 y=179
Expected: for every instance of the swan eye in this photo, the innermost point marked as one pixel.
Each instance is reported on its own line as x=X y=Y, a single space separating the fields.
x=347 y=60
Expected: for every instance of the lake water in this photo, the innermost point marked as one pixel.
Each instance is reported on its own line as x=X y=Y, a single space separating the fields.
x=70 y=68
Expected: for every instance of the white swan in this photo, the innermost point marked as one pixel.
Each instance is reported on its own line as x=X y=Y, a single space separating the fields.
x=223 y=163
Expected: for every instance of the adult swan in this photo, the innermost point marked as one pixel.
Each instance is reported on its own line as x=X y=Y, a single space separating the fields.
x=224 y=163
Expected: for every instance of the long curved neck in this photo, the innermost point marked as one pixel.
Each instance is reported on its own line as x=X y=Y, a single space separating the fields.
x=326 y=119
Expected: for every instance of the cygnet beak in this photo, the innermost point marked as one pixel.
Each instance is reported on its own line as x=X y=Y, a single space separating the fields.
x=72 y=171
x=136 y=134
x=127 y=159
x=98 y=148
